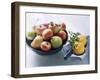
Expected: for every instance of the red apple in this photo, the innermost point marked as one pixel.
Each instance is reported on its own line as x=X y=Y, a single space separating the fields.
x=40 y=29
x=62 y=34
x=45 y=46
x=47 y=34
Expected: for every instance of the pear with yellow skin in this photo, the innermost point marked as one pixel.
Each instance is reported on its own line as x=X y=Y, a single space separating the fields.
x=78 y=48
x=37 y=42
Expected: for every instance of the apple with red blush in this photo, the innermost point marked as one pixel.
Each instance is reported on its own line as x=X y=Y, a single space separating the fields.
x=47 y=34
x=45 y=46
x=62 y=34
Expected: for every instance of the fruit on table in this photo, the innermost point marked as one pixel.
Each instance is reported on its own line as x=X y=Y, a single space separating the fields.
x=31 y=35
x=62 y=34
x=56 y=41
x=78 y=48
x=45 y=46
x=40 y=29
x=37 y=41
x=82 y=39
x=47 y=34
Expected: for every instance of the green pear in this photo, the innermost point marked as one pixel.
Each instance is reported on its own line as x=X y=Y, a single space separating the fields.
x=56 y=29
x=37 y=41
x=56 y=41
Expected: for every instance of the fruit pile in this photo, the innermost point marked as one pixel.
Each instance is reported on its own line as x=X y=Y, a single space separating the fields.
x=48 y=36
x=78 y=43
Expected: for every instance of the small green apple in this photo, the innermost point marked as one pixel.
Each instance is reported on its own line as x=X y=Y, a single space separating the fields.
x=31 y=35
x=56 y=41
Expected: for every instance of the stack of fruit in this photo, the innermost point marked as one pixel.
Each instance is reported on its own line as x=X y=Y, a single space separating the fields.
x=48 y=36
x=78 y=43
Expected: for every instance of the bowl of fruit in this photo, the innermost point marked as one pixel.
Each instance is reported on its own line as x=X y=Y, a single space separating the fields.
x=47 y=39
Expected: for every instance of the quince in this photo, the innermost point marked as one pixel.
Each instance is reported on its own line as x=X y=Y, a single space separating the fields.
x=82 y=39
x=78 y=48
